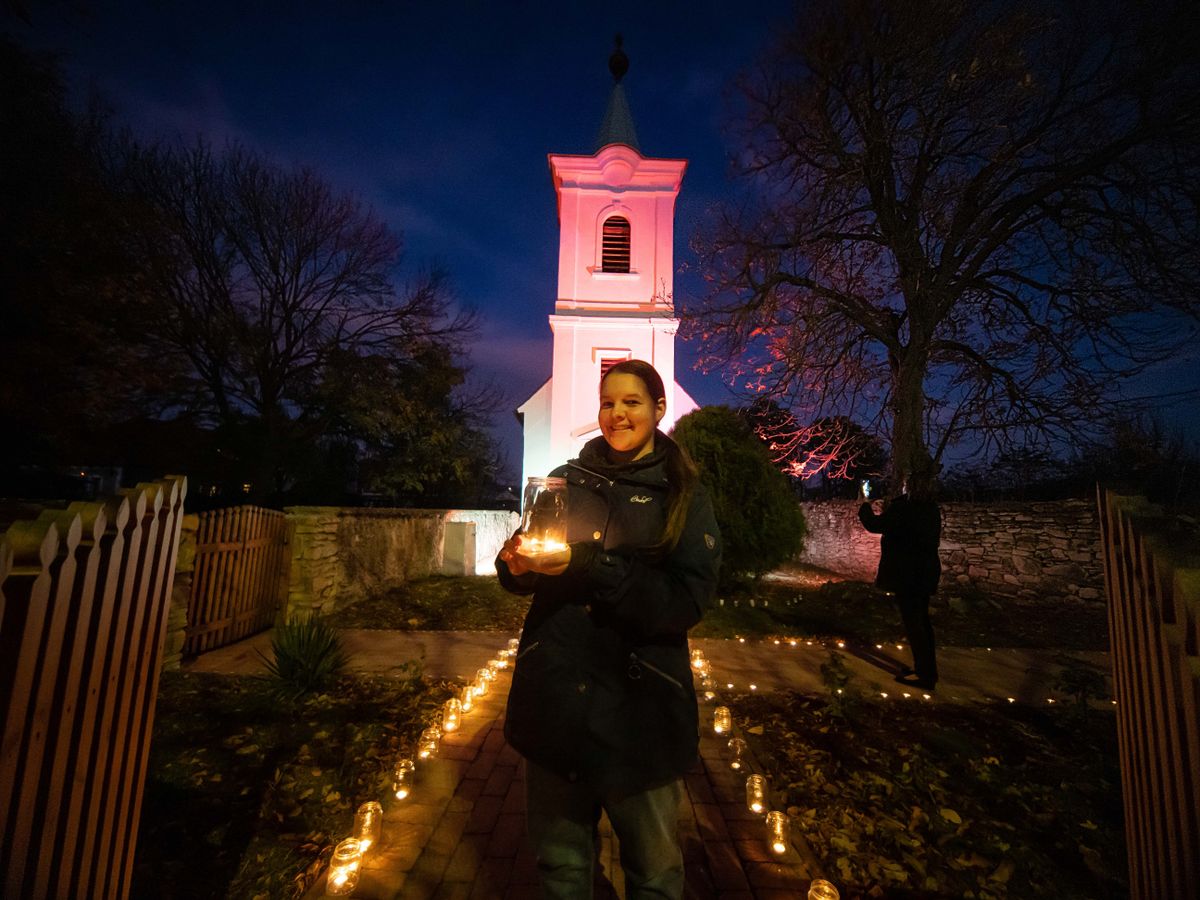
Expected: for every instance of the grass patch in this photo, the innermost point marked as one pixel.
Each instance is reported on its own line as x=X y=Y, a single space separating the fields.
x=808 y=602
x=912 y=799
x=246 y=795
x=438 y=603
x=813 y=603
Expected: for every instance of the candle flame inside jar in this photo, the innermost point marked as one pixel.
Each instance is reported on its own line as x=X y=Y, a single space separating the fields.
x=722 y=720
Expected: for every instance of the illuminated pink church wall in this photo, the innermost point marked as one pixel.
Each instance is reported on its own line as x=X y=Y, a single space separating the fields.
x=614 y=300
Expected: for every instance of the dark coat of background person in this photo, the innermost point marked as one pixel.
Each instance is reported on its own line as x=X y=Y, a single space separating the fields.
x=909 y=567
x=908 y=549
x=602 y=689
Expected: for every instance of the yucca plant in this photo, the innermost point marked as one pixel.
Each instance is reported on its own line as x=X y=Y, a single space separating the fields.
x=307 y=656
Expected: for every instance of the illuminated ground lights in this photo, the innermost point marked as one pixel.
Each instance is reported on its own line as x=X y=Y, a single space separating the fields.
x=788 y=643
x=349 y=854
x=777 y=822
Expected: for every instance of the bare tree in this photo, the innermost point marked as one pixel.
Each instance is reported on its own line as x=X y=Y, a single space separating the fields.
x=269 y=280
x=969 y=219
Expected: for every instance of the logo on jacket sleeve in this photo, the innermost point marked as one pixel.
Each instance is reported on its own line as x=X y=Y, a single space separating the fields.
x=640 y=498
x=709 y=541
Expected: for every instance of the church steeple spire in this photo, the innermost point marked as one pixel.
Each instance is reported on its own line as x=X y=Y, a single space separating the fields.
x=617 y=127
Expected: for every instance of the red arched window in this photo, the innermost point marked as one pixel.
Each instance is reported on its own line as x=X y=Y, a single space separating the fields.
x=614 y=251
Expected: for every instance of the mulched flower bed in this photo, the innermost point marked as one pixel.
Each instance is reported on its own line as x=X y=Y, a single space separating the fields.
x=913 y=798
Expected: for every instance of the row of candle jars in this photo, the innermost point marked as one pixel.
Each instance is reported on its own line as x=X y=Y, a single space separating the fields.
x=756 y=787
x=452 y=712
x=348 y=855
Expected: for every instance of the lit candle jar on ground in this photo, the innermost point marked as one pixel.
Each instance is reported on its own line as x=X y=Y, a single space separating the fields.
x=699 y=663
x=513 y=644
x=481 y=683
x=722 y=720
x=451 y=714
x=777 y=832
x=756 y=793
x=737 y=753
x=368 y=826
x=467 y=698
x=402 y=778
x=502 y=659
x=343 y=868
x=820 y=889
x=427 y=743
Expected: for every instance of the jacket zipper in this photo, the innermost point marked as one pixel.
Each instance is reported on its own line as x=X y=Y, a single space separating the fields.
x=637 y=660
x=524 y=652
x=611 y=483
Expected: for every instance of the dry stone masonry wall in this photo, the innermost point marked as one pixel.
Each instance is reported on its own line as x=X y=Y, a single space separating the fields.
x=1027 y=551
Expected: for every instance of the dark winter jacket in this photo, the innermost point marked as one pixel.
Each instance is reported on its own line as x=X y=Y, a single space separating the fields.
x=602 y=689
x=908 y=550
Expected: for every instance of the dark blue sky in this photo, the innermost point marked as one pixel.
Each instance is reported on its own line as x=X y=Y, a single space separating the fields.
x=440 y=115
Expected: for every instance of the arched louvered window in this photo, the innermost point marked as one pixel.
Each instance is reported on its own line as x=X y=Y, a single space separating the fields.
x=614 y=253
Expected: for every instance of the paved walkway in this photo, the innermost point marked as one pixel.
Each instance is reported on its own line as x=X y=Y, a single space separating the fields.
x=461 y=833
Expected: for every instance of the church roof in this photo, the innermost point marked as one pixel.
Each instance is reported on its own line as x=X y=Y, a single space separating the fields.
x=617 y=127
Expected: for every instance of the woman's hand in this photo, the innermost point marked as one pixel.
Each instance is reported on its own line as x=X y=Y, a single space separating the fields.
x=553 y=563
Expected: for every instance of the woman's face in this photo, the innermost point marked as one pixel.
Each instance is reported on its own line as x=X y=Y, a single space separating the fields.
x=628 y=415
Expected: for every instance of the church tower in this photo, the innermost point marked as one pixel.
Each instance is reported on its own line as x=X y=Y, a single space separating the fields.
x=616 y=215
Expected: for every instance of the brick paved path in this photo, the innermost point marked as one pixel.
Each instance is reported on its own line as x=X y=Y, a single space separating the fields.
x=460 y=835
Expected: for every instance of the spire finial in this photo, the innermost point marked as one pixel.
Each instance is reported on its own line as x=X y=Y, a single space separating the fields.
x=618 y=63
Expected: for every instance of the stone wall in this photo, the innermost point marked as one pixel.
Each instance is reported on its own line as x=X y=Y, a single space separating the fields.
x=341 y=555
x=1042 y=550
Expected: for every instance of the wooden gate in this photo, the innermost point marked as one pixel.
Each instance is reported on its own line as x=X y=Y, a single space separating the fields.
x=240 y=577
x=84 y=595
x=1153 y=582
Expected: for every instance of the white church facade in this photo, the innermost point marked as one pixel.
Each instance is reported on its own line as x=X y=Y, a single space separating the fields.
x=616 y=214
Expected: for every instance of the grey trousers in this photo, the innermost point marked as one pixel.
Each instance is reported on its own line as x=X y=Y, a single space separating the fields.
x=562 y=819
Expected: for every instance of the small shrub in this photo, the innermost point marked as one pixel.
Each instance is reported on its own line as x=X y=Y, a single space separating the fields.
x=761 y=522
x=844 y=696
x=307 y=656
x=1083 y=682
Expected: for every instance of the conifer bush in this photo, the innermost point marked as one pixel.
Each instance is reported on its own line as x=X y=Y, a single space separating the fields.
x=761 y=522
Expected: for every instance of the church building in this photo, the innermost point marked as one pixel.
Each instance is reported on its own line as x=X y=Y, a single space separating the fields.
x=616 y=215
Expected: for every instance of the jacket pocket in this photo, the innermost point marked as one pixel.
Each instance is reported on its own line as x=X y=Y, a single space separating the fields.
x=636 y=662
x=527 y=650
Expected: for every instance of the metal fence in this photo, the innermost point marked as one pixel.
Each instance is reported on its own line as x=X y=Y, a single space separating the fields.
x=84 y=595
x=1153 y=582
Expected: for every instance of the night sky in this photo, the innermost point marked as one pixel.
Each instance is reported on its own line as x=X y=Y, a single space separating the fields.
x=440 y=116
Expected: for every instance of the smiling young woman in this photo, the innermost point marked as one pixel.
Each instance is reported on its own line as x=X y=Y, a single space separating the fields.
x=602 y=704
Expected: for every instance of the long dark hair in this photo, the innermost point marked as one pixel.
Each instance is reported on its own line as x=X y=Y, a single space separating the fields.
x=681 y=471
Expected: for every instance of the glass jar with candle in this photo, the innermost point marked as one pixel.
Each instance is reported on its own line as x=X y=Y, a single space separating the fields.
x=544 y=516
x=466 y=699
x=343 y=868
x=820 y=889
x=368 y=825
x=756 y=793
x=427 y=743
x=737 y=754
x=451 y=714
x=722 y=720
x=777 y=832
x=402 y=778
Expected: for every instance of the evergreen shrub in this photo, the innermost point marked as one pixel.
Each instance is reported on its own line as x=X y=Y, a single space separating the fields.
x=761 y=522
x=307 y=657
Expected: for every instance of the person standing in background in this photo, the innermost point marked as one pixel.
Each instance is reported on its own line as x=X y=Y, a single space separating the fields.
x=910 y=527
